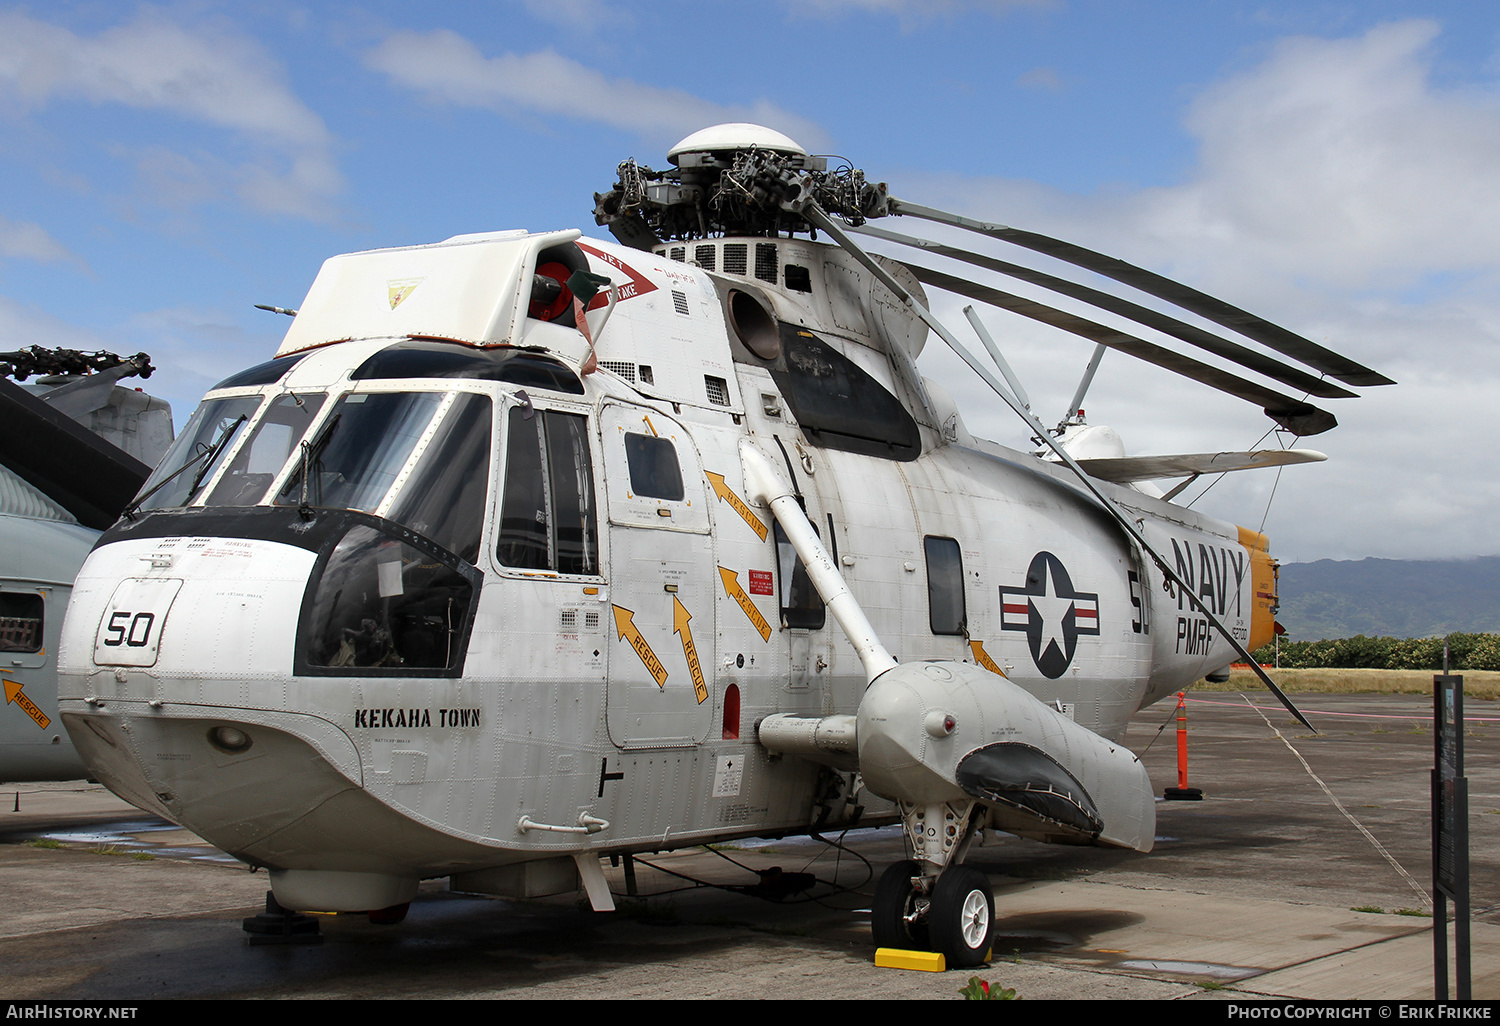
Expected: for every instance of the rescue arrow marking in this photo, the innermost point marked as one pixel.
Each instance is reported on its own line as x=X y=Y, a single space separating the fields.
x=726 y=494
x=733 y=590
x=680 y=618
x=983 y=658
x=625 y=624
x=13 y=694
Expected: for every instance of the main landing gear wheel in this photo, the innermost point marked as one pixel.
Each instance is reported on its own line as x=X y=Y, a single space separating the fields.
x=895 y=900
x=962 y=916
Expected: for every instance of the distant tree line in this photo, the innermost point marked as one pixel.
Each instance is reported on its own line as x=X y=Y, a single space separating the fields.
x=1465 y=652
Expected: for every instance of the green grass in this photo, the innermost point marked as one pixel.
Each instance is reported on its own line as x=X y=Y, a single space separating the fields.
x=1478 y=684
x=45 y=842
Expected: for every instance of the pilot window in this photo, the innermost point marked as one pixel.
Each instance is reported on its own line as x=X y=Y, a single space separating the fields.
x=20 y=622
x=547 y=513
x=654 y=470
x=946 y=613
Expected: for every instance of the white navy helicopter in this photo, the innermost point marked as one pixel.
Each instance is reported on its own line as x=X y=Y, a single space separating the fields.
x=528 y=549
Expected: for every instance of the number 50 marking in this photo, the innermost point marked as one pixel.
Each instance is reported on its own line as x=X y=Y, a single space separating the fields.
x=131 y=629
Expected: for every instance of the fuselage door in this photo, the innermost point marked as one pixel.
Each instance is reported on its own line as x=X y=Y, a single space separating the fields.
x=662 y=566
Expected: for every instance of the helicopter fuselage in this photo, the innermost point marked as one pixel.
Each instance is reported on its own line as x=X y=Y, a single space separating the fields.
x=434 y=603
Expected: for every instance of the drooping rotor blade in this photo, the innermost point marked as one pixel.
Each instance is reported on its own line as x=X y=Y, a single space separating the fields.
x=1206 y=340
x=1288 y=343
x=1296 y=416
x=817 y=217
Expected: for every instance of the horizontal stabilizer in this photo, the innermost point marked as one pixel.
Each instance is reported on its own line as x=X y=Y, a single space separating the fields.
x=1125 y=469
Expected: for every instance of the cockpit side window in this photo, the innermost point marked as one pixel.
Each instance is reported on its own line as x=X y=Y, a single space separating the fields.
x=548 y=519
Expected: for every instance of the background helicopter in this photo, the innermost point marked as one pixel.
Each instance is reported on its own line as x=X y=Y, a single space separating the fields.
x=74 y=447
x=523 y=548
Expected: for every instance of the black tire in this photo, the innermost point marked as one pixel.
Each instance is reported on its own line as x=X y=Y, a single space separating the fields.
x=894 y=897
x=389 y=916
x=962 y=916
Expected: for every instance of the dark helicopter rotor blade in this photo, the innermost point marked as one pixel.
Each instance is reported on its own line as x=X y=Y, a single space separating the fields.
x=1249 y=358
x=1288 y=343
x=1296 y=416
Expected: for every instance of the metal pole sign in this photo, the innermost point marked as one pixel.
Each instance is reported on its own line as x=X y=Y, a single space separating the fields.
x=1450 y=834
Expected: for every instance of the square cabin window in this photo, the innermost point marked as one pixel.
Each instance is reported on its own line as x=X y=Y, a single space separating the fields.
x=945 y=586
x=654 y=470
x=20 y=621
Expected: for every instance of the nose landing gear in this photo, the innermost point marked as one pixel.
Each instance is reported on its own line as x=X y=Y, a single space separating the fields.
x=933 y=902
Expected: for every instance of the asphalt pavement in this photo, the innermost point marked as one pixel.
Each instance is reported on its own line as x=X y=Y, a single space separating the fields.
x=1303 y=873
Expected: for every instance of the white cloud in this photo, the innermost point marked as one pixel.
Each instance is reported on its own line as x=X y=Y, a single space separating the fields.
x=1337 y=191
x=206 y=75
x=450 y=69
x=28 y=241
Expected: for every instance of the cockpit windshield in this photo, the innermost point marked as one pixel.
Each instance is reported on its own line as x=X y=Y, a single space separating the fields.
x=418 y=458
x=197 y=453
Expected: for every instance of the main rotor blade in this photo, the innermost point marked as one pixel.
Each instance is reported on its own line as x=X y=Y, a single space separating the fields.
x=1271 y=368
x=821 y=220
x=1286 y=342
x=1298 y=417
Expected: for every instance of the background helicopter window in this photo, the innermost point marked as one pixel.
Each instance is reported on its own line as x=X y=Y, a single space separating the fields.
x=946 y=613
x=547 y=514
x=20 y=622
x=654 y=470
x=382 y=605
x=265 y=451
x=212 y=423
x=801 y=606
x=361 y=448
x=444 y=497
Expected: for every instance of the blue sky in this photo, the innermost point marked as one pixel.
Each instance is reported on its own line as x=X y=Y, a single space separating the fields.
x=1328 y=165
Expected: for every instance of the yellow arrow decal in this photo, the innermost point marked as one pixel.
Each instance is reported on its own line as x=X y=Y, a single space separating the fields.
x=733 y=590
x=726 y=494
x=983 y=658
x=680 y=618
x=13 y=694
x=625 y=624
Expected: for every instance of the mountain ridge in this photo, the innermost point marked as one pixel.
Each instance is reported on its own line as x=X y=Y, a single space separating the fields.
x=1401 y=598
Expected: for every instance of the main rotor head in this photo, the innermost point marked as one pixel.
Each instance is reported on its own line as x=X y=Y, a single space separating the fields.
x=732 y=179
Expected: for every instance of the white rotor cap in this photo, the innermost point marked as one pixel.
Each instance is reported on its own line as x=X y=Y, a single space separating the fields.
x=734 y=136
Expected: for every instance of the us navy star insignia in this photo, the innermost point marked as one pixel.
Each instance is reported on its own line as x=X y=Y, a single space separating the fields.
x=1050 y=613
